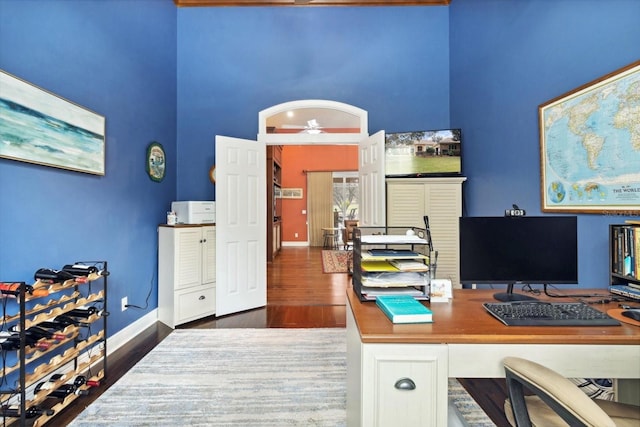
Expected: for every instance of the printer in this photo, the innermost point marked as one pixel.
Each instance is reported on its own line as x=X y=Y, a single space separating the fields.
x=195 y=212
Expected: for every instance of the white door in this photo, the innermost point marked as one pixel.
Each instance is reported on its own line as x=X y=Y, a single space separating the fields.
x=372 y=181
x=241 y=268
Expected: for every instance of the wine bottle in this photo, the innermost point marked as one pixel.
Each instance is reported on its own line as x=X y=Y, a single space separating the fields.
x=47 y=385
x=48 y=275
x=30 y=412
x=12 y=342
x=13 y=290
x=65 y=321
x=63 y=390
x=82 y=380
x=52 y=326
x=39 y=333
x=80 y=269
x=83 y=312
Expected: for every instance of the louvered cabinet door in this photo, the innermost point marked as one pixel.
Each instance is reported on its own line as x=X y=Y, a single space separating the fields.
x=410 y=199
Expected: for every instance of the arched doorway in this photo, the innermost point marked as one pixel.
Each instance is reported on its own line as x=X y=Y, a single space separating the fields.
x=312 y=121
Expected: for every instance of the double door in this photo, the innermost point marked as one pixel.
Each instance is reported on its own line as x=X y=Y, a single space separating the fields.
x=241 y=217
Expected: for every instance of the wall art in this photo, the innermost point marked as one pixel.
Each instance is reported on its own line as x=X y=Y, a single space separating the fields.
x=590 y=146
x=39 y=127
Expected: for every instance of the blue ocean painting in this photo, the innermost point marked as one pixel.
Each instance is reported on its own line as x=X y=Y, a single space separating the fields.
x=38 y=127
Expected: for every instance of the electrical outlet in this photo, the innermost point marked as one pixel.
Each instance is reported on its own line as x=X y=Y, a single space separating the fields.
x=295 y=235
x=124 y=303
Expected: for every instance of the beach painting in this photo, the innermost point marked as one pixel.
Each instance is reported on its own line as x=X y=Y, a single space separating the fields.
x=39 y=127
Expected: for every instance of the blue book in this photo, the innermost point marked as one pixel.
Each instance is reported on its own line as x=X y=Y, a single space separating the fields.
x=404 y=309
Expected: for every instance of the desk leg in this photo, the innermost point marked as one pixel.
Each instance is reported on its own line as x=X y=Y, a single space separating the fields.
x=627 y=391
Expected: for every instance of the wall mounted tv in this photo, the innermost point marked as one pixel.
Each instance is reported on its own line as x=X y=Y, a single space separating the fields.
x=423 y=153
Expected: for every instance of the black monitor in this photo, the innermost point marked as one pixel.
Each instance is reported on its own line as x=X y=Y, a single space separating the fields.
x=518 y=250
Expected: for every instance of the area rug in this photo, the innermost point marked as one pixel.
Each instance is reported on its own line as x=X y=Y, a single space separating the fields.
x=234 y=377
x=335 y=261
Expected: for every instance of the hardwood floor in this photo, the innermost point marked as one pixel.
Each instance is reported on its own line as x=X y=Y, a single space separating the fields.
x=299 y=295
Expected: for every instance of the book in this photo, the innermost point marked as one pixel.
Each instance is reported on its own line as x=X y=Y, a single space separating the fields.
x=394 y=279
x=636 y=232
x=377 y=266
x=404 y=309
x=409 y=265
x=392 y=239
x=625 y=291
x=392 y=252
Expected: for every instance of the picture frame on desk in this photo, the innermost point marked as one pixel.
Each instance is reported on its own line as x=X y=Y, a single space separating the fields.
x=440 y=290
x=587 y=158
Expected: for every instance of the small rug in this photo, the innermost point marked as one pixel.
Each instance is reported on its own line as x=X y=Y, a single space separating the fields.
x=241 y=377
x=335 y=261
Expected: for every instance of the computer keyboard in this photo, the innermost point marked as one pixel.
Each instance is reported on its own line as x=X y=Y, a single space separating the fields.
x=540 y=313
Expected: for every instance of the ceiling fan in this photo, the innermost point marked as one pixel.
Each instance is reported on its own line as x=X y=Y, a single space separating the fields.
x=312 y=127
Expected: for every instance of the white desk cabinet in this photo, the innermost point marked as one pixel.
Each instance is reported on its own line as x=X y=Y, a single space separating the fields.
x=440 y=198
x=186 y=273
x=376 y=374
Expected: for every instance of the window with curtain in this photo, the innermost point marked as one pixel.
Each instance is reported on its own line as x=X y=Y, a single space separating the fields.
x=345 y=196
x=319 y=205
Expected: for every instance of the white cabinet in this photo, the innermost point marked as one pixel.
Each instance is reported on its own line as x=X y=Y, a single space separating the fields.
x=395 y=384
x=410 y=199
x=186 y=273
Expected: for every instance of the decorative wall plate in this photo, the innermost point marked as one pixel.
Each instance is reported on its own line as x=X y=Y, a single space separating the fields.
x=156 y=161
x=212 y=174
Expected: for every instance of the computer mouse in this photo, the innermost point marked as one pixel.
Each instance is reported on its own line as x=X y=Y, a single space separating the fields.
x=632 y=314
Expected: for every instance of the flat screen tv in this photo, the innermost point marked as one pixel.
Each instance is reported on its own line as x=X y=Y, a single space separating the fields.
x=423 y=153
x=518 y=250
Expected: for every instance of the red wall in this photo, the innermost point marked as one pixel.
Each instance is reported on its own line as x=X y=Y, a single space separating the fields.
x=295 y=160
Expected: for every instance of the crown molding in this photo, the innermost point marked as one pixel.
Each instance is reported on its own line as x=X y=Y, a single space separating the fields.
x=298 y=3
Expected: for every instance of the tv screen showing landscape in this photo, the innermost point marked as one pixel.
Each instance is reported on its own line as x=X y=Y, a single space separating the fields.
x=423 y=153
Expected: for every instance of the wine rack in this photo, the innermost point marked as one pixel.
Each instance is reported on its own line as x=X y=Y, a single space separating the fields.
x=54 y=347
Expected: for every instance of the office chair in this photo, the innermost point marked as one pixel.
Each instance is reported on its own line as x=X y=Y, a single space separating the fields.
x=556 y=401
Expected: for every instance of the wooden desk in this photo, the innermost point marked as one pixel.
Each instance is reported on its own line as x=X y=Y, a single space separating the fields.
x=464 y=341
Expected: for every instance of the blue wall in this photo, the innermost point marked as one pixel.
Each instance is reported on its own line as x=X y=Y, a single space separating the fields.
x=234 y=62
x=182 y=75
x=118 y=59
x=507 y=58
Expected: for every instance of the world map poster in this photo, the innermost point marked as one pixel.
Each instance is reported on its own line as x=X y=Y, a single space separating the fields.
x=590 y=146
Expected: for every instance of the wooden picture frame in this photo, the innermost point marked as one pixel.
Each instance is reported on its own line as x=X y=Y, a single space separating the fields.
x=291 y=193
x=42 y=128
x=590 y=147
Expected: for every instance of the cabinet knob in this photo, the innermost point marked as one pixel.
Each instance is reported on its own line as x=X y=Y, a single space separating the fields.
x=405 y=384
x=202 y=297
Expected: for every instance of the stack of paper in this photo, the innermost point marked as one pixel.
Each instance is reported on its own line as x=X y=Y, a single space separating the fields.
x=409 y=265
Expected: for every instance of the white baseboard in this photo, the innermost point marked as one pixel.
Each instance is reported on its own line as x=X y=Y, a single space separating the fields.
x=123 y=336
x=295 y=243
